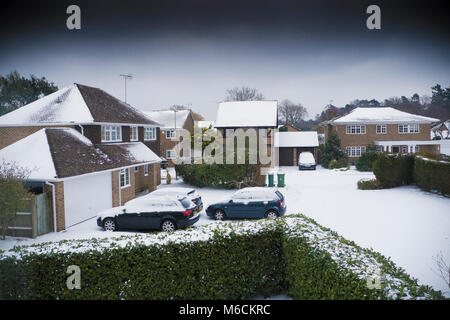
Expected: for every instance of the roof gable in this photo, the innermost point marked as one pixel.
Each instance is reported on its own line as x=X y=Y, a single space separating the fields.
x=63 y=106
x=247 y=114
x=166 y=118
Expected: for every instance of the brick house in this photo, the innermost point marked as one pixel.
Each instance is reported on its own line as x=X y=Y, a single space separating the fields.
x=88 y=149
x=259 y=115
x=170 y=120
x=386 y=128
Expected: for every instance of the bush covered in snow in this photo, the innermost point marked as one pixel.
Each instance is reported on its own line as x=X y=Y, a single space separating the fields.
x=233 y=260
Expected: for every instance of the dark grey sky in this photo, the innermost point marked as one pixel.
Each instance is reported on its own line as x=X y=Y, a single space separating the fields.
x=187 y=51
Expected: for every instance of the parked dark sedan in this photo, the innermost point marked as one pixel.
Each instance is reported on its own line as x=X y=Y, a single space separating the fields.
x=249 y=203
x=159 y=212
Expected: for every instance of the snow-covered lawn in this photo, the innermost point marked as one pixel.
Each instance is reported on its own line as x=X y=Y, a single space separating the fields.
x=408 y=225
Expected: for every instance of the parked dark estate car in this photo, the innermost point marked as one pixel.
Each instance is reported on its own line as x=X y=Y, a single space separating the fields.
x=189 y=193
x=249 y=203
x=165 y=213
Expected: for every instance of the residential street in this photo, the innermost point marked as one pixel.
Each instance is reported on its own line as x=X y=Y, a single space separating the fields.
x=405 y=223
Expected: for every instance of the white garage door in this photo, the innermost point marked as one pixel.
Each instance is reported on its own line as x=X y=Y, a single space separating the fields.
x=85 y=196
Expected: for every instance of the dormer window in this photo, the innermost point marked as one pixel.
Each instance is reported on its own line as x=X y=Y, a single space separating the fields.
x=111 y=133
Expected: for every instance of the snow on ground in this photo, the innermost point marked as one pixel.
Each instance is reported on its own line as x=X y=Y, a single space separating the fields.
x=408 y=225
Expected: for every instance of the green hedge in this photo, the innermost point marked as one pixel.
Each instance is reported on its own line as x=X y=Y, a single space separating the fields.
x=432 y=175
x=394 y=170
x=235 y=260
x=221 y=175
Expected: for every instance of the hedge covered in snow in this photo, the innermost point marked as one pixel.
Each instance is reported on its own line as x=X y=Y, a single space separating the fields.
x=234 y=260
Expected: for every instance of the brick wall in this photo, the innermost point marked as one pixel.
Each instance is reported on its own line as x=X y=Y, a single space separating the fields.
x=126 y=193
x=60 y=211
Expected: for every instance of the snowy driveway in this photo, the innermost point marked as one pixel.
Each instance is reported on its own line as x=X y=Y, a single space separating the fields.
x=405 y=223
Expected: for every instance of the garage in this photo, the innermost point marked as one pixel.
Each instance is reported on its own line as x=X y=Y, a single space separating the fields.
x=85 y=196
x=291 y=143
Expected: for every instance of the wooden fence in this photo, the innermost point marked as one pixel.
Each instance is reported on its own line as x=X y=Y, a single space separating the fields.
x=36 y=220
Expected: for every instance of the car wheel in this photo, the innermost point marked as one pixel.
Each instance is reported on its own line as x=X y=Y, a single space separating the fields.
x=219 y=215
x=109 y=224
x=168 y=225
x=271 y=214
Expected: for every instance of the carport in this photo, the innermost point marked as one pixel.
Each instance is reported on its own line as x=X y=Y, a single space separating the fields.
x=291 y=144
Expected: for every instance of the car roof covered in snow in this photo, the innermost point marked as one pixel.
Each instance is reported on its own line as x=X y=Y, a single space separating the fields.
x=166 y=118
x=54 y=153
x=382 y=115
x=235 y=114
x=296 y=139
x=76 y=104
x=180 y=190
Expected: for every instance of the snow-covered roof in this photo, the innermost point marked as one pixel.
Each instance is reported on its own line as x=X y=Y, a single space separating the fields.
x=384 y=115
x=247 y=114
x=33 y=154
x=167 y=117
x=54 y=153
x=296 y=139
x=204 y=124
x=75 y=104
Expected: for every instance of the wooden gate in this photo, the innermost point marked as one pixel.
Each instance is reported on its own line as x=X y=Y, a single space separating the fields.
x=36 y=220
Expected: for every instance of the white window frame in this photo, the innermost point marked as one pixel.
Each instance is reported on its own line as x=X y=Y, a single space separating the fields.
x=170 y=151
x=171 y=135
x=381 y=129
x=404 y=149
x=107 y=132
x=136 y=169
x=134 y=129
x=149 y=133
x=356 y=129
x=146 y=170
x=355 y=151
x=125 y=173
x=408 y=128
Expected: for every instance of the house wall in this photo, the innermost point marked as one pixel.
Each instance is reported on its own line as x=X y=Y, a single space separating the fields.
x=154 y=145
x=9 y=135
x=370 y=136
x=151 y=181
x=126 y=193
x=169 y=144
x=270 y=131
x=59 y=202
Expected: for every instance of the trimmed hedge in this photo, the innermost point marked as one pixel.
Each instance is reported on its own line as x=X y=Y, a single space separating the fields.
x=432 y=175
x=371 y=184
x=394 y=170
x=235 y=260
x=221 y=175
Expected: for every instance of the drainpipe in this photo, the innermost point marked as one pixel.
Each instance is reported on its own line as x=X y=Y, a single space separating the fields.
x=54 y=204
x=120 y=190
